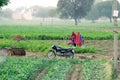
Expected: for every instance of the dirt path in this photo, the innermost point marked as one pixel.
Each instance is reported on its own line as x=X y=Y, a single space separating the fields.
x=41 y=74
x=77 y=73
x=77 y=56
x=38 y=75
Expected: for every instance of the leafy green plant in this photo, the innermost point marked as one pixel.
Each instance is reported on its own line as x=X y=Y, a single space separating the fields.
x=33 y=32
x=57 y=71
x=85 y=50
x=15 y=68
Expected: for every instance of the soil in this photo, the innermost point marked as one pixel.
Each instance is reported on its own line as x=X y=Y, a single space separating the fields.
x=41 y=74
x=76 y=75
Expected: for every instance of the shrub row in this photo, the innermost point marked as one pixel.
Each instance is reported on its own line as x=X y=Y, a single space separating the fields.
x=39 y=45
x=52 y=33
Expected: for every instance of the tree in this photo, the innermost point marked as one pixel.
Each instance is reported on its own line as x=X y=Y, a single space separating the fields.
x=6 y=13
x=52 y=12
x=119 y=10
x=43 y=12
x=75 y=9
x=3 y=2
x=39 y=11
x=93 y=14
x=98 y=1
x=103 y=9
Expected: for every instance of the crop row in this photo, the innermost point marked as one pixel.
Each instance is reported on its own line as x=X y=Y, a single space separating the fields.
x=31 y=46
x=21 y=68
x=57 y=71
x=94 y=70
x=52 y=33
x=40 y=46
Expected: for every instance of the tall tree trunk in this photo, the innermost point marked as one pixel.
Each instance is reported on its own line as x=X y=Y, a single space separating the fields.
x=110 y=20
x=76 y=21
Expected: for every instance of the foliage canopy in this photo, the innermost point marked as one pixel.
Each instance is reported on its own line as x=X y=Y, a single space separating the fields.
x=102 y=9
x=75 y=9
x=3 y=2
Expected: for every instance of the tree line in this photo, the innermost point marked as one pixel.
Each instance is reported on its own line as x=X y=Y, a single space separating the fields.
x=70 y=9
x=88 y=9
x=102 y=9
x=38 y=11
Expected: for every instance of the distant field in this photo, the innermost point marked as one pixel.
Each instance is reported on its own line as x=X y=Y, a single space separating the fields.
x=35 y=30
x=61 y=23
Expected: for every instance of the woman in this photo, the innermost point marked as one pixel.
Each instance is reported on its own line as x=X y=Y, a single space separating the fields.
x=78 y=40
x=73 y=38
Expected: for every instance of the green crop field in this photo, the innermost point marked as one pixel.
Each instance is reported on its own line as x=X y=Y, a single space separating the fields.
x=40 y=36
x=15 y=68
x=94 y=31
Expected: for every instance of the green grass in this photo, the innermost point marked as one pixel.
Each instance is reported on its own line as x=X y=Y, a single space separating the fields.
x=34 y=31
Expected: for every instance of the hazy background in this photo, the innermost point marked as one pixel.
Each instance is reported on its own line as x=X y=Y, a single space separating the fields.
x=46 y=10
x=28 y=3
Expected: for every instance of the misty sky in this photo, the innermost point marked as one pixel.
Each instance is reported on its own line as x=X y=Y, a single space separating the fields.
x=27 y=3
